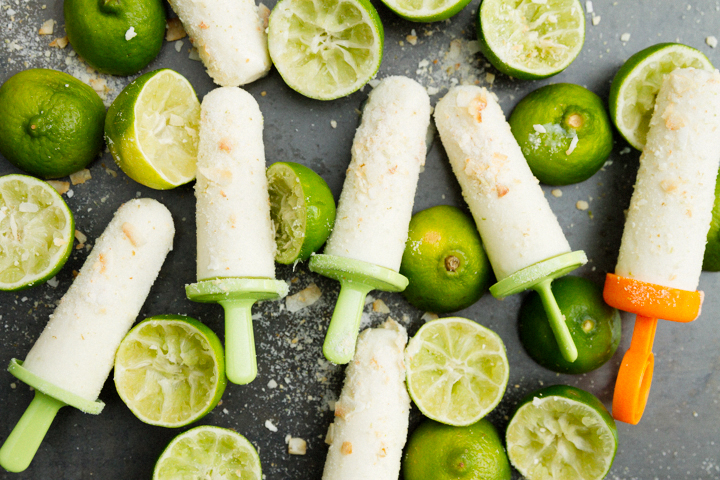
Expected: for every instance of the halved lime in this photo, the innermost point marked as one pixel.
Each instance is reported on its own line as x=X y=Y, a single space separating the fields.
x=457 y=370
x=528 y=39
x=208 y=452
x=561 y=432
x=637 y=83
x=36 y=232
x=325 y=49
x=170 y=370
x=426 y=10
x=302 y=209
x=152 y=130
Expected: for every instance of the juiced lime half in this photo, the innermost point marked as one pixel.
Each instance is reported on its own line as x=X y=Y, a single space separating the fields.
x=325 y=49
x=36 y=232
x=457 y=370
x=637 y=83
x=208 y=453
x=531 y=39
x=170 y=370
x=426 y=10
x=152 y=130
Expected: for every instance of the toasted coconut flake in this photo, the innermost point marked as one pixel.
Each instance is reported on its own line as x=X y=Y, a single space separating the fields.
x=61 y=187
x=47 y=28
x=80 y=177
x=304 y=298
x=60 y=42
x=297 y=446
x=80 y=237
x=380 y=307
x=175 y=30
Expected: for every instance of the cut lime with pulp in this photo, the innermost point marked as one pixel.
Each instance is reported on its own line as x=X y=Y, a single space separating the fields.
x=561 y=432
x=36 y=232
x=531 y=40
x=325 y=49
x=457 y=370
x=637 y=83
x=152 y=130
x=208 y=452
x=426 y=10
x=170 y=370
x=302 y=209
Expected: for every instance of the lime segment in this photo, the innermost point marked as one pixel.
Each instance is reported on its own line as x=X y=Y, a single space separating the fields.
x=170 y=370
x=457 y=370
x=325 y=49
x=208 y=452
x=36 y=232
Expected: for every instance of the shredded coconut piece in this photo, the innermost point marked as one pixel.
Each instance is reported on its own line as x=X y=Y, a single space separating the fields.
x=81 y=237
x=582 y=205
x=47 y=28
x=711 y=41
x=297 y=446
x=61 y=187
x=304 y=298
x=270 y=426
x=130 y=34
x=573 y=144
x=589 y=7
x=272 y=384
x=380 y=307
x=625 y=37
x=596 y=20
x=175 y=30
x=333 y=123
x=539 y=128
x=80 y=177
x=429 y=316
x=557 y=193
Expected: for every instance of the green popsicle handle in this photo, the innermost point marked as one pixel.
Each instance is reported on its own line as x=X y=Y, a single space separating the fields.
x=20 y=447
x=339 y=346
x=240 y=360
x=557 y=320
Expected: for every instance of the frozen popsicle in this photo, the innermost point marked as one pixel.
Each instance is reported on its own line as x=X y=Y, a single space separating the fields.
x=663 y=242
x=229 y=36
x=73 y=356
x=371 y=226
x=371 y=417
x=235 y=237
x=521 y=235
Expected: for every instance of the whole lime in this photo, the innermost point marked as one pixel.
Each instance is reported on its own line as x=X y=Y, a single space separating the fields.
x=564 y=133
x=594 y=326
x=444 y=261
x=52 y=123
x=113 y=36
x=711 y=262
x=443 y=452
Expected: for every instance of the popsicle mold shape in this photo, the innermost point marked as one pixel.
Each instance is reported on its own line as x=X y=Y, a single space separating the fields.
x=237 y=296
x=648 y=302
x=539 y=277
x=357 y=279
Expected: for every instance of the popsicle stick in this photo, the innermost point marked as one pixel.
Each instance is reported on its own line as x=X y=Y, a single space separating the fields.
x=240 y=361
x=20 y=447
x=557 y=320
x=339 y=345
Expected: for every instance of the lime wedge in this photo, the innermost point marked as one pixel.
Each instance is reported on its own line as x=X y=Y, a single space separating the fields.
x=170 y=370
x=36 y=232
x=637 y=83
x=325 y=49
x=152 y=130
x=208 y=452
x=531 y=40
x=457 y=370
x=302 y=209
x=426 y=10
x=561 y=432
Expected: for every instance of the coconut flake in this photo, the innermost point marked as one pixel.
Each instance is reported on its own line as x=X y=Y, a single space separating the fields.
x=130 y=34
x=573 y=144
x=304 y=298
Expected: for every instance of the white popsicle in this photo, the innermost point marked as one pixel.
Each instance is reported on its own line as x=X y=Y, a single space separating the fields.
x=379 y=191
x=670 y=211
x=513 y=216
x=371 y=416
x=76 y=351
x=235 y=237
x=229 y=36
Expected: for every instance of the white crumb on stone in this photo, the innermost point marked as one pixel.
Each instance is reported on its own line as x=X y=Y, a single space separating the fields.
x=625 y=151
x=711 y=41
x=270 y=426
x=380 y=307
x=70 y=193
x=596 y=20
x=178 y=45
x=429 y=316
x=539 y=128
x=47 y=28
x=297 y=446
x=625 y=37
x=53 y=282
x=557 y=193
x=589 y=7
x=304 y=298
x=226 y=411
x=130 y=34
x=272 y=384
x=490 y=78
x=194 y=55
x=333 y=123
x=582 y=205
x=80 y=237
x=432 y=90
x=13 y=385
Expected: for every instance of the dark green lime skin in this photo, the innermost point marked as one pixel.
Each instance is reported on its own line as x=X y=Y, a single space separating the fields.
x=711 y=261
x=320 y=210
x=538 y=339
x=430 y=447
x=102 y=43
x=57 y=112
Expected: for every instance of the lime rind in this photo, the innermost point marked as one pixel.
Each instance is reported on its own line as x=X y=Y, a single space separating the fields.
x=209 y=452
x=325 y=49
x=637 y=83
x=36 y=232
x=457 y=370
x=287 y=211
x=426 y=10
x=530 y=40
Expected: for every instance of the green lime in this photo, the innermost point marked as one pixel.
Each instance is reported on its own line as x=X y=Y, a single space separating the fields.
x=113 y=36
x=325 y=50
x=711 y=262
x=443 y=452
x=444 y=261
x=561 y=432
x=302 y=209
x=426 y=11
x=528 y=39
x=564 y=133
x=152 y=130
x=51 y=122
x=36 y=232
x=208 y=453
x=170 y=370
x=457 y=370
x=637 y=83
x=594 y=326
